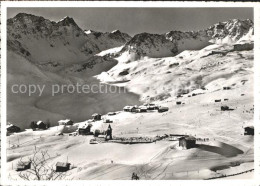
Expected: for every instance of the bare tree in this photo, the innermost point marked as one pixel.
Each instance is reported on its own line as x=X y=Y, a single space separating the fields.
x=39 y=169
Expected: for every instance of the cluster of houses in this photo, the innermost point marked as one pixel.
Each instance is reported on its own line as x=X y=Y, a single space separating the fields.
x=145 y=108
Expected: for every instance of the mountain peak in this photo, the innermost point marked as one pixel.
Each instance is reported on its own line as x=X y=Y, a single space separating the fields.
x=116 y=32
x=66 y=21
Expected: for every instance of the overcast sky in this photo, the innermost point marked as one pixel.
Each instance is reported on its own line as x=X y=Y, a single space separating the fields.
x=137 y=20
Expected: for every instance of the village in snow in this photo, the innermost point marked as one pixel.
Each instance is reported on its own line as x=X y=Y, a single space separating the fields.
x=187 y=114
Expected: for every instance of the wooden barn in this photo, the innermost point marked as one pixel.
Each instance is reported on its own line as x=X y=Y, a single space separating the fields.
x=21 y=166
x=187 y=142
x=249 y=130
x=65 y=122
x=96 y=116
x=62 y=167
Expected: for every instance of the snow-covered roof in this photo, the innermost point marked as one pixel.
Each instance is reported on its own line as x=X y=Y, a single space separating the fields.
x=128 y=107
x=39 y=122
x=64 y=121
x=88 y=31
x=62 y=164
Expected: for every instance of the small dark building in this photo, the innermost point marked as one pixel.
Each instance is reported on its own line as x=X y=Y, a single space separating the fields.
x=226 y=88
x=178 y=103
x=249 y=130
x=21 y=166
x=187 y=142
x=96 y=116
x=85 y=130
x=193 y=94
x=225 y=99
x=242 y=94
x=163 y=109
x=217 y=100
x=41 y=125
x=62 y=167
x=224 y=108
x=12 y=128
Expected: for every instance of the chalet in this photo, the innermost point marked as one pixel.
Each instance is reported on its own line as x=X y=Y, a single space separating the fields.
x=142 y=109
x=96 y=116
x=224 y=108
x=187 y=142
x=65 y=122
x=21 y=166
x=249 y=130
x=41 y=125
x=62 y=167
x=217 y=100
x=85 y=130
x=178 y=103
x=163 y=109
x=130 y=108
x=12 y=128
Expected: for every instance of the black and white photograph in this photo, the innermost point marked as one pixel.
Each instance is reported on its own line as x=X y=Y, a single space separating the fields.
x=129 y=93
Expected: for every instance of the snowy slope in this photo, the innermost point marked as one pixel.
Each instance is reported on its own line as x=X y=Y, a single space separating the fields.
x=212 y=68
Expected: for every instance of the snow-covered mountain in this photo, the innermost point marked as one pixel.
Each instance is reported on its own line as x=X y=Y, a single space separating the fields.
x=41 y=51
x=55 y=44
x=174 y=42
